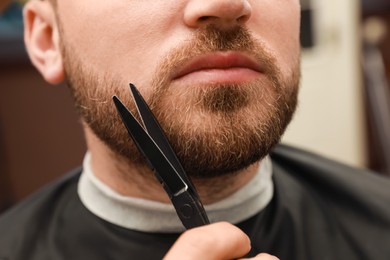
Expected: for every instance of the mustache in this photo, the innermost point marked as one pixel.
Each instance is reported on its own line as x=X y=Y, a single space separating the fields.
x=214 y=39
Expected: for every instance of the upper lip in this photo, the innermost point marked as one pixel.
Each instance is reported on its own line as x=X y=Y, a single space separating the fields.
x=219 y=60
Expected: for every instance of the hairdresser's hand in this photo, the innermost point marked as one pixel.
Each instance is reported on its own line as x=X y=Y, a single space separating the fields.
x=215 y=241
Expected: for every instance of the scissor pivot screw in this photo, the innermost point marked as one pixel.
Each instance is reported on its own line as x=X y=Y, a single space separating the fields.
x=186 y=211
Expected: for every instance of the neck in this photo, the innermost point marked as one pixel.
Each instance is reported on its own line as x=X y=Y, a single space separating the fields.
x=138 y=181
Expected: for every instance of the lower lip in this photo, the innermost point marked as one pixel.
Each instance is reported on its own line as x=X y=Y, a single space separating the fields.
x=220 y=76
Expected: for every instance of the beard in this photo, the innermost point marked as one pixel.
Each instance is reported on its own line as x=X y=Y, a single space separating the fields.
x=215 y=129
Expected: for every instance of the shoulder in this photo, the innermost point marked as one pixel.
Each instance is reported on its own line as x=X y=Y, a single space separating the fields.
x=346 y=207
x=310 y=167
x=328 y=176
x=42 y=198
x=26 y=219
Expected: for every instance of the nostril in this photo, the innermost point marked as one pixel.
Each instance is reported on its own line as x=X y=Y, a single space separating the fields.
x=242 y=19
x=209 y=18
x=205 y=18
x=224 y=13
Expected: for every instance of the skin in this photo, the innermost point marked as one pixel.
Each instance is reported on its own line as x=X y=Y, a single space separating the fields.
x=195 y=242
x=129 y=61
x=127 y=52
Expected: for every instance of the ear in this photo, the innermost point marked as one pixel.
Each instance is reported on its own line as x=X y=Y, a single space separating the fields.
x=41 y=37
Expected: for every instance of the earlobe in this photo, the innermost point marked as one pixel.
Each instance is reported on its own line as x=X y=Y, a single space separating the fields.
x=42 y=40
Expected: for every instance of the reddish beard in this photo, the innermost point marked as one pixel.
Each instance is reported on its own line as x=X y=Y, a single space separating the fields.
x=215 y=129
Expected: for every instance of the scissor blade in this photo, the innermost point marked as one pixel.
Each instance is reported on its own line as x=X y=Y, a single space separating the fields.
x=188 y=207
x=155 y=131
x=149 y=149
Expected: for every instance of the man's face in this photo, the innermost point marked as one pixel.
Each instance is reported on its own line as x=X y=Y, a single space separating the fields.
x=220 y=76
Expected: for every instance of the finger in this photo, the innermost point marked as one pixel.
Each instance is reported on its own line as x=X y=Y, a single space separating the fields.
x=262 y=256
x=215 y=241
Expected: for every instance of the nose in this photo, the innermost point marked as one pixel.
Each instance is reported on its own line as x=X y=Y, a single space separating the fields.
x=221 y=13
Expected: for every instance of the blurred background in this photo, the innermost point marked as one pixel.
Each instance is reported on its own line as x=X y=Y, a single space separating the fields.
x=344 y=111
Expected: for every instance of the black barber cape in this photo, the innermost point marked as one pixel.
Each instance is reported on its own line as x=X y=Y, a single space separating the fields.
x=320 y=210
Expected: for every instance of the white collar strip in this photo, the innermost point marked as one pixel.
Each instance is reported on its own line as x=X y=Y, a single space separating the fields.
x=151 y=216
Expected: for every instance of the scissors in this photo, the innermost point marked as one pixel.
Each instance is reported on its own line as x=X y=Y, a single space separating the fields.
x=152 y=143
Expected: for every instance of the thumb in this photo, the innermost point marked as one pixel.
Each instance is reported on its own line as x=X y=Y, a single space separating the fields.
x=215 y=241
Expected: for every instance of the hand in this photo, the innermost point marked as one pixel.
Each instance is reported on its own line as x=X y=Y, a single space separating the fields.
x=215 y=241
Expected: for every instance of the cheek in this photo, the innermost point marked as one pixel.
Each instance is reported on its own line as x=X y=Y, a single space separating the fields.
x=116 y=36
x=277 y=24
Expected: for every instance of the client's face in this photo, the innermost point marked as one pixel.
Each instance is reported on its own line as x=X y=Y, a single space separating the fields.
x=220 y=76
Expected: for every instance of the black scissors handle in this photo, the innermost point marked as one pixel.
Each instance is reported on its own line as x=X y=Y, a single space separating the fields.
x=153 y=145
